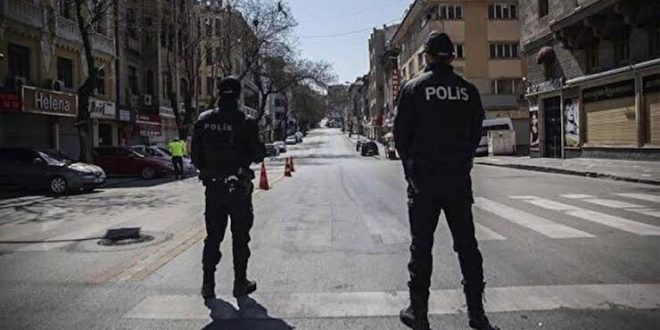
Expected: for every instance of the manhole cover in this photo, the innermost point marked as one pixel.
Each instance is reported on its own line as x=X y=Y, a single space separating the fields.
x=142 y=238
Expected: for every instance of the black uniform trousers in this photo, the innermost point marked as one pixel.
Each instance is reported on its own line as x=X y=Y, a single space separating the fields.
x=424 y=211
x=221 y=203
x=177 y=163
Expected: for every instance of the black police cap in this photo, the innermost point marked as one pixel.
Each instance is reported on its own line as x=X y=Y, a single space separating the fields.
x=439 y=44
x=229 y=86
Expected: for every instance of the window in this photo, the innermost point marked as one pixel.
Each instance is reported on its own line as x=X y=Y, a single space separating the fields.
x=132 y=79
x=411 y=68
x=655 y=38
x=458 y=51
x=502 y=11
x=183 y=86
x=209 y=56
x=622 y=49
x=64 y=8
x=420 y=61
x=100 y=82
x=150 y=82
x=209 y=86
x=131 y=25
x=217 y=27
x=451 y=12
x=209 y=27
x=100 y=25
x=65 y=71
x=167 y=84
x=592 y=57
x=543 y=7
x=19 y=61
x=503 y=51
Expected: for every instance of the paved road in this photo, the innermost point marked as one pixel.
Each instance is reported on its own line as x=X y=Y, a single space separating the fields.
x=329 y=252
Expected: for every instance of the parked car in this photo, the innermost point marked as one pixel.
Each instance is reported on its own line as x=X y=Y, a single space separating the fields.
x=272 y=150
x=495 y=124
x=369 y=148
x=280 y=145
x=31 y=168
x=291 y=140
x=164 y=154
x=124 y=161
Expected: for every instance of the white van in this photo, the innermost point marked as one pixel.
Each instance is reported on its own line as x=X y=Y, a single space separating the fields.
x=495 y=124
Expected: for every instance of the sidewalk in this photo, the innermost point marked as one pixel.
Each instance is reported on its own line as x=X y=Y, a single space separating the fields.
x=624 y=170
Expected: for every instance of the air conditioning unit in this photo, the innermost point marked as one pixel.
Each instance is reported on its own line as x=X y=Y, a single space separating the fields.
x=135 y=100
x=57 y=85
x=148 y=99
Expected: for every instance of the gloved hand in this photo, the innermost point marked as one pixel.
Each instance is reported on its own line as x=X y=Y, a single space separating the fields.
x=408 y=169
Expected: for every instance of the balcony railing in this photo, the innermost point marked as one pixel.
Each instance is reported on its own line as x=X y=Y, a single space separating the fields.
x=23 y=12
x=103 y=43
x=68 y=30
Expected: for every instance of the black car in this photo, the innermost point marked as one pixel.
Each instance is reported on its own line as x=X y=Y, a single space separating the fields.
x=38 y=169
x=369 y=148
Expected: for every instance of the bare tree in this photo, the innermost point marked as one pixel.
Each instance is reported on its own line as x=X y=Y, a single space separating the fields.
x=88 y=14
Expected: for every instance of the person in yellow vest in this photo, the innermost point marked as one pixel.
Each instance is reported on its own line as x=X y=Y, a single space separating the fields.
x=178 y=149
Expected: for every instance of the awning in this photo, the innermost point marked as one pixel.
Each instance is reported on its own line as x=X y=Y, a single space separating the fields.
x=545 y=55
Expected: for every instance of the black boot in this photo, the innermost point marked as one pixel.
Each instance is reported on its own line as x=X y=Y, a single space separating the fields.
x=474 y=297
x=415 y=316
x=244 y=287
x=208 y=285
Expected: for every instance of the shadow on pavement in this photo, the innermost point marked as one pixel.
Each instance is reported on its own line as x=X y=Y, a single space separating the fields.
x=139 y=182
x=250 y=316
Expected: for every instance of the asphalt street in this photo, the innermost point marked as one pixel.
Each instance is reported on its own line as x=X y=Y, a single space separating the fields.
x=329 y=251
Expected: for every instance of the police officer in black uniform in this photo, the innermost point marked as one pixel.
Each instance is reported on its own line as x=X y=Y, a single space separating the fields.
x=224 y=145
x=437 y=130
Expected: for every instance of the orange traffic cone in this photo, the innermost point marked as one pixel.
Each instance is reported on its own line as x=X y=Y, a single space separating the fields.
x=287 y=167
x=263 y=180
x=293 y=168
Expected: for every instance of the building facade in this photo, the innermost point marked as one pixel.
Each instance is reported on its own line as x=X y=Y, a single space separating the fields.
x=486 y=35
x=377 y=80
x=594 y=77
x=43 y=66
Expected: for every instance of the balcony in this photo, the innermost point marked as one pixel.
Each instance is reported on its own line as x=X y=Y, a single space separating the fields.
x=68 y=30
x=23 y=12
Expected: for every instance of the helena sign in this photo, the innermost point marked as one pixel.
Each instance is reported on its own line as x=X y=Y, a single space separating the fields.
x=47 y=102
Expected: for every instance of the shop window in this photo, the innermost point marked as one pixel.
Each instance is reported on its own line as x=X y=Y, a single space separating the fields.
x=543 y=8
x=503 y=50
x=65 y=71
x=18 y=61
x=100 y=82
x=592 y=57
x=132 y=79
x=458 y=51
x=502 y=11
x=450 y=12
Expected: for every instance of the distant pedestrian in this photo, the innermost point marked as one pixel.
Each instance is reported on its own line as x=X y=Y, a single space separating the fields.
x=225 y=142
x=178 y=149
x=437 y=130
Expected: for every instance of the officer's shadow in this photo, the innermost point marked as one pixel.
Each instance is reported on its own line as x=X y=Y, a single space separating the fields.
x=249 y=315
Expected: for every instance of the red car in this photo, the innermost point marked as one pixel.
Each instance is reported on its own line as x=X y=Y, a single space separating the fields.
x=123 y=161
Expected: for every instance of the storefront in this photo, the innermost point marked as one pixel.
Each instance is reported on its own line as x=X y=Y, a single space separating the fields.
x=545 y=119
x=40 y=118
x=106 y=128
x=168 y=124
x=610 y=114
x=149 y=128
x=651 y=85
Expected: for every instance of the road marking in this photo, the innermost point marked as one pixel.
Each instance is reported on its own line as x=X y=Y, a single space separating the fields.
x=643 y=197
x=382 y=304
x=540 y=225
x=485 y=234
x=616 y=204
x=577 y=196
x=597 y=217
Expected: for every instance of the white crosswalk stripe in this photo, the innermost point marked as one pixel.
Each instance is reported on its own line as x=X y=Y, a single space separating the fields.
x=538 y=224
x=484 y=234
x=379 y=304
x=639 y=196
x=593 y=216
x=616 y=204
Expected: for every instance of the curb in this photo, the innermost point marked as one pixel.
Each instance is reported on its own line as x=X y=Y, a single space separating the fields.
x=573 y=172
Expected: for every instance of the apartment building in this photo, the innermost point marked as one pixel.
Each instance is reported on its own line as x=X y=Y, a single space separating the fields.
x=487 y=35
x=43 y=66
x=594 y=77
x=378 y=80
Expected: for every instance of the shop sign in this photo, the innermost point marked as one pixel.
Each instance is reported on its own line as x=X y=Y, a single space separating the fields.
x=166 y=112
x=546 y=86
x=102 y=109
x=148 y=119
x=652 y=83
x=10 y=102
x=610 y=91
x=36 y=100
x=124 y=115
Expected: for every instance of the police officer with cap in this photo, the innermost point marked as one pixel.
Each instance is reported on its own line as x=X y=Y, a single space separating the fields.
x=225 y=143
x=437 y=130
